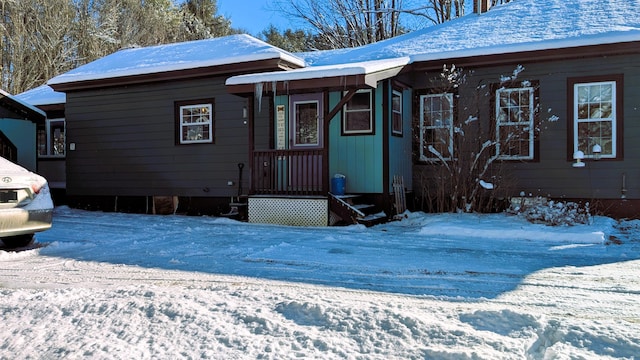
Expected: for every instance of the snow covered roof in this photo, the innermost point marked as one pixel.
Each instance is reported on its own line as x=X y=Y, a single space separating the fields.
x=521 y=25
x=518 y=26
x=21 y=104
x=367 y=69
x=42 y=95
x=234 y=49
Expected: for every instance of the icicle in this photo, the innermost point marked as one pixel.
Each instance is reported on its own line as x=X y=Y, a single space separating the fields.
x=274 y=87
x=258 y=94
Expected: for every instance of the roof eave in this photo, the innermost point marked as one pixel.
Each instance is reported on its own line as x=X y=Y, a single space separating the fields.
x=28 y=112
x=329 y=83
x=217 y=70
x=542 y=55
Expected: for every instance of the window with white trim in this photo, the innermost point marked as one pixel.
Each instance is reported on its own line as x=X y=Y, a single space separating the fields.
x=515 y=123
x=436 y=126
x=306 y=123
x=396 y=113
x=51 y=139
x=594 y=117
x=195 y=123
x=357 y=114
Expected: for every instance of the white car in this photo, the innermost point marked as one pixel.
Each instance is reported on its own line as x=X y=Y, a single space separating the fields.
x=25 y=204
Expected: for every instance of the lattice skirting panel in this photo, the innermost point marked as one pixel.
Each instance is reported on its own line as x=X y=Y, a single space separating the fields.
x=289 y=211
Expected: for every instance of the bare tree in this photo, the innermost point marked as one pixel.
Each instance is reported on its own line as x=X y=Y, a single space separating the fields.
x=347 y=23
x=34 y=42
x=440 y=11
x=40 y=39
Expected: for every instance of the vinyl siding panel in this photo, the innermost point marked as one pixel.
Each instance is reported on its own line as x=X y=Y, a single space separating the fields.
x=553 y=175
x=358 y=157
x=125 y=139
x=22 y=133
x=400 y=149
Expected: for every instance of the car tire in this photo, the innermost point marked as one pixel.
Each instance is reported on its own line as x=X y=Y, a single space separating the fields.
x=18 y=241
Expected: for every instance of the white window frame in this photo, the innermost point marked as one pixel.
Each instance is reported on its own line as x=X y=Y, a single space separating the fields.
x=425 y=154
x=588 y=152
x=346 y=111
x=527 y=124
x=295 y=123
x=396 y=113
x=49 y=143
x=183 y=124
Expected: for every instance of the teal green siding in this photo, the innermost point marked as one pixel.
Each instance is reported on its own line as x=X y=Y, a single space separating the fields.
x=23 y=135
x=358 y=157
x=361 y=157
x=400 y=148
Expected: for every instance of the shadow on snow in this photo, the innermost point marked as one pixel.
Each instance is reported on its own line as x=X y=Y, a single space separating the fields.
x=389 y=258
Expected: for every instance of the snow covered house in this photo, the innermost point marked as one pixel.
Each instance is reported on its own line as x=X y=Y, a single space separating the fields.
x=563 y=74
x=50 y=141
x=18 y=122
x=177 y=120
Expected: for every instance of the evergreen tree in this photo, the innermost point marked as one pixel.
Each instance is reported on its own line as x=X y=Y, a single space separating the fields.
x=290 y=40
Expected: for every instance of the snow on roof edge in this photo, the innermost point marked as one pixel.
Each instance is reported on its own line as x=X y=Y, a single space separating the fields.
x=42 y=95
x=592 y=40
x=71 y=78
x=318 y=72
x=29 y=106
x=365 y=67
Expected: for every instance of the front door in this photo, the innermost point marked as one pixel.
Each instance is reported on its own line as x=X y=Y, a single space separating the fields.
x=306 y=135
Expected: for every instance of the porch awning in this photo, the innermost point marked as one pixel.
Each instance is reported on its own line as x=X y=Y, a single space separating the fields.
x=364 y=74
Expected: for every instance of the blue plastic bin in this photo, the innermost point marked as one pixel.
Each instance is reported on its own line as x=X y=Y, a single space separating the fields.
x=338 y=184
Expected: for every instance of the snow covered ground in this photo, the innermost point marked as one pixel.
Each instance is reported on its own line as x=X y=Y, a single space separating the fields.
x=446 y=286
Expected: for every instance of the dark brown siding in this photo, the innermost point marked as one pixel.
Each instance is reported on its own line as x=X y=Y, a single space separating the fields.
x=125 y=141
x=5 y=113
x=552 y=174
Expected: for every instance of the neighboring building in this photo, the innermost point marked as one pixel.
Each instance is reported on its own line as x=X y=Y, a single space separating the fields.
x=51 y=143
x=158 y=122
x=176 y=120
x=18 y=122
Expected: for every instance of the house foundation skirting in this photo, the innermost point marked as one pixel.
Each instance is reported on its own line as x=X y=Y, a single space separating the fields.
x=614 y=208
x=184 y=205
x=294 y=211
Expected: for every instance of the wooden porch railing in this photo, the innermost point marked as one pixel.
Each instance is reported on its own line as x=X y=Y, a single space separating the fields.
x=289 y=172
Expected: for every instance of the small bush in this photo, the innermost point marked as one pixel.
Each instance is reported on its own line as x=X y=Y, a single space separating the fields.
x=549 y=212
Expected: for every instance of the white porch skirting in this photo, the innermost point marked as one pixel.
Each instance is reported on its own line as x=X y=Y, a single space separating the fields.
x=294 y=211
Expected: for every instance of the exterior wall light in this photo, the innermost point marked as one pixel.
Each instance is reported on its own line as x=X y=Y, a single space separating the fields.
x=597 y=151
x=578 y=156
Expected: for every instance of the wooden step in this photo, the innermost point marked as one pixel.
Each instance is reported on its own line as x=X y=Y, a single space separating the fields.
x=352 y=213
x=363 y=207
x=373 y=219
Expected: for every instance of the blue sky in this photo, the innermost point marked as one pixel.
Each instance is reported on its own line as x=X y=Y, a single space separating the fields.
x=252 y=15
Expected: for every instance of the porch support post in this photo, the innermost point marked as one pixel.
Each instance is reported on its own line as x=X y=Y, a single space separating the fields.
x=387 y=90
x=252 y=141
x=326 y=140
